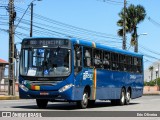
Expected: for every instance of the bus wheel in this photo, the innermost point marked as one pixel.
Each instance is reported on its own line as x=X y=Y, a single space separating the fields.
x=114 y=102
x=84 y=102
x=42 y=103
x=122 y=97
x=128 y=97
x=91 y=103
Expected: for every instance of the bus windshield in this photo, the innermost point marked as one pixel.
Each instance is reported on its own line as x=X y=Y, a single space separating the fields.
x=45 y=62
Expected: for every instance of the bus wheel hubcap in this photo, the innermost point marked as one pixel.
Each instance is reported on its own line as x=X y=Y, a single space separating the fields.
x=85 y=99
x=123 y=98
x=128 y=96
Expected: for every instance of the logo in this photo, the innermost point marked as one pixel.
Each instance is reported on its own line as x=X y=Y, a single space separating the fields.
x=6 y=114
x=87 y=75
x=21 y=114
x=132 y=77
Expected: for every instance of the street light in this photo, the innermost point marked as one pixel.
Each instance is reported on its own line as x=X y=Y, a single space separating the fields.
x=136 y=45
x=31 y=4
x=156 y=74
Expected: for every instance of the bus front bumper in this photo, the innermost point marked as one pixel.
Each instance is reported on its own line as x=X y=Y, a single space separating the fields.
x=38 y=94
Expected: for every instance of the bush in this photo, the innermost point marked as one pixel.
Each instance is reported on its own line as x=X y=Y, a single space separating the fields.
x=152 y=83
x=145 y=83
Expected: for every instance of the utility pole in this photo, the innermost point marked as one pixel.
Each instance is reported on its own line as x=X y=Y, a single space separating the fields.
x=11 y=77
x=124 y=27
x=31 y=19
x=31 y=25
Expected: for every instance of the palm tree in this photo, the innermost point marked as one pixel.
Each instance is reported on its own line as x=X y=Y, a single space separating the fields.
x=134 y=15
x=151 y=70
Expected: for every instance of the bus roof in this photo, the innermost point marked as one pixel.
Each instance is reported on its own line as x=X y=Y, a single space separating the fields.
x=104 y=47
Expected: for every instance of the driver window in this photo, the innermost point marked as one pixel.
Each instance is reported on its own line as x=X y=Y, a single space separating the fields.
x=77 y=58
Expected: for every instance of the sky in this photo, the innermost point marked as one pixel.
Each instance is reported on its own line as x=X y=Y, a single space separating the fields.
x=71 y=17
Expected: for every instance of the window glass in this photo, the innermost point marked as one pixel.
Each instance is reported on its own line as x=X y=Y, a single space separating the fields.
x=114 y=60
x=77 y=59
x=49 y=62
x=87 y=57
x=106 y=60
x=121 y=62
x=97 y=58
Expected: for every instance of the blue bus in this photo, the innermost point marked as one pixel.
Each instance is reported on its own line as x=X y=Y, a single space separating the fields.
x=74 y=70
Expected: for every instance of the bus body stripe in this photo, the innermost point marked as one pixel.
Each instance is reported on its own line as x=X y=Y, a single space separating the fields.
x=33 y=87
x=37 y=87
x=94 y=84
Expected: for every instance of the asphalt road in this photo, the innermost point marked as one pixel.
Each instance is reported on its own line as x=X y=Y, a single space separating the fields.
x=145 y=103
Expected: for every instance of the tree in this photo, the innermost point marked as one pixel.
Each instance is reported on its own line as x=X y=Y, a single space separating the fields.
x=134 y=15
x=151 y=70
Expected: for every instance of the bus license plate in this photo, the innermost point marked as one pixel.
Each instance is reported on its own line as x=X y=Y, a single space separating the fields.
x=44 y=93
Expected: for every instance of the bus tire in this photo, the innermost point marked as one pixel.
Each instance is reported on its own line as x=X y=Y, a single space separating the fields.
x=82 y=104
x=128 y=97
x=114 y=102
x=91 y=103
x=122 y=97
x=42 y=103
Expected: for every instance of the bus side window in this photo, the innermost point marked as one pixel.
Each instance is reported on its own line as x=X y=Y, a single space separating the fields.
x=128 y=63
x=106 y=60
x=87 y=57
x=77 y=59
x=140 y=65
x=114 y=58
x=121 y=62
x=135 y=63
x=97 y=54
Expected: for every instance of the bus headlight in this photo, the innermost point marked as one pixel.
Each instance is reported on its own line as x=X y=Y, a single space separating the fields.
x=66 y=87
x=23 y=88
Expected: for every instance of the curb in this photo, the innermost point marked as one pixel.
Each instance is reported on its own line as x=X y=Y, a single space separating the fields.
x=9 y=97
x=145 y=94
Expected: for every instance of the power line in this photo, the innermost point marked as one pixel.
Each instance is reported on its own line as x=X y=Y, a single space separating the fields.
x=22 y=17
x=153 y=21
x=112 y=2
x=147 y=49
x=77 y=29
x=64 y=24
x=68 y=31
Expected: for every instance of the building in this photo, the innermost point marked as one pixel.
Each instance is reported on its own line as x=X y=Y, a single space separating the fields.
x=156 y=72
x=3 y=84
x=3 y=64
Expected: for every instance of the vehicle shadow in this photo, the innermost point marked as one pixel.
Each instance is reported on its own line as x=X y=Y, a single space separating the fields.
x=68 y=106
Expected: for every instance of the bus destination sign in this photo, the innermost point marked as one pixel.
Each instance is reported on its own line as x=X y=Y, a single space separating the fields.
x=48 y=42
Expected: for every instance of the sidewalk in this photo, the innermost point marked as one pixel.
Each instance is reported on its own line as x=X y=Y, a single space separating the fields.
x=5 y=96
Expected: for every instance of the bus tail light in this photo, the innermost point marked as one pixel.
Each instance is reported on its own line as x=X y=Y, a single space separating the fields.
x=66 y=87
x=23 y=88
